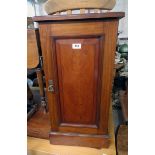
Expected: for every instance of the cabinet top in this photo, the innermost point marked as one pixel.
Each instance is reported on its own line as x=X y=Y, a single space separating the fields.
x=108 y=15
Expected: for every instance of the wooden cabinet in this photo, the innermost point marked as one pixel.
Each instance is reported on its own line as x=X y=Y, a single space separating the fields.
x=78 y=55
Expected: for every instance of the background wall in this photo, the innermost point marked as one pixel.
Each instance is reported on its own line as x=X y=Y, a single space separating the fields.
x=121 y=5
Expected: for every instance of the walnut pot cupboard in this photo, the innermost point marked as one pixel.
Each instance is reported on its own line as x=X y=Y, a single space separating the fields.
x=78 y=55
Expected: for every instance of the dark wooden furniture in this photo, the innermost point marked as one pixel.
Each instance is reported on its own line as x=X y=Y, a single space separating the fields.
x=122 y=140
x=78 y=55
x=32 y=62
x=33 y=59
x=38 y=124
x=32 y=48
x=122 y=129
x=123 y=96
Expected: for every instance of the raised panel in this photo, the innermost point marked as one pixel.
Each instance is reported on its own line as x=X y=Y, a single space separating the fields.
x=78 y=70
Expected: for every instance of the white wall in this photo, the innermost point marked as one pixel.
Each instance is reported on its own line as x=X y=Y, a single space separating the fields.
x=30 y=10
x=121 y=5
x=38 y=11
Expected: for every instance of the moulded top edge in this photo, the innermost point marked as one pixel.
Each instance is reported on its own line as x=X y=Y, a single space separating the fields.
x=108 y=15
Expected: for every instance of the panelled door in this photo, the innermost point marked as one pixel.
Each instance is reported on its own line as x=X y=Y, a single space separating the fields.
x=78 y=75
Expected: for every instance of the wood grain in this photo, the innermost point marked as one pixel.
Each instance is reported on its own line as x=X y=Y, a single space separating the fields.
x=112 y=15
x=122 y=140
x=74 y=139
x=44 y=38
x=32 y=49
x=123 y=96
x=38 y=146
x=39 y=125
x=77 y=70
x=82 y=80
x=52 y=6
x=82 y=11
x=69 y=12
x=40 y=81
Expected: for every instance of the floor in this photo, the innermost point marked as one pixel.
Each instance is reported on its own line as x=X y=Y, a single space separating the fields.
x=121 y=129
x=39 y=124
x=116 y=110
x=37 y=146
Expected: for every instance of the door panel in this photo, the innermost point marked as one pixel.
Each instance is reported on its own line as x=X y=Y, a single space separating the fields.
x=78 y=70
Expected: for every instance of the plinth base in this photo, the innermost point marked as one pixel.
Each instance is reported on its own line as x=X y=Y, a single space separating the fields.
x=75 y=139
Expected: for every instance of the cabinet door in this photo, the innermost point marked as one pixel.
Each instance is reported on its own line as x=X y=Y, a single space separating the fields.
x=78 y=83
x=77 y=61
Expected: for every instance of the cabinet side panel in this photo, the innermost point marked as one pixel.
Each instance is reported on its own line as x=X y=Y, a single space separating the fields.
x=110 y=30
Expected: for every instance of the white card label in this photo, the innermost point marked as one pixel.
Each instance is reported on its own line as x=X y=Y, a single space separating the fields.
x=76 y=46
